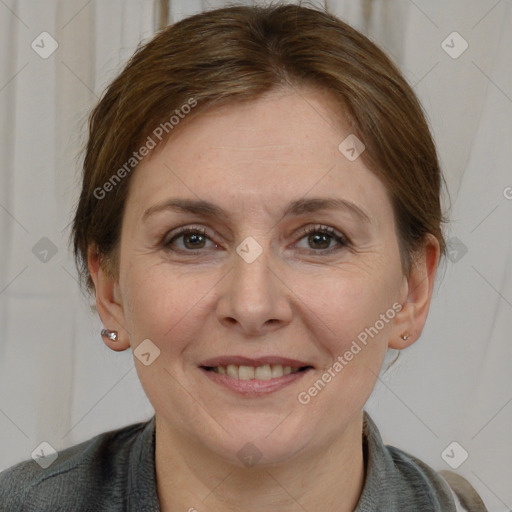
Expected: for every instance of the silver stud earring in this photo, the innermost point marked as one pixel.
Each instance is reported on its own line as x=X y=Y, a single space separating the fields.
x=405 y=336
x=111 y=335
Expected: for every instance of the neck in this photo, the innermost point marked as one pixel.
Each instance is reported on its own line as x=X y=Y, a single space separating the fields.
x=193 y=479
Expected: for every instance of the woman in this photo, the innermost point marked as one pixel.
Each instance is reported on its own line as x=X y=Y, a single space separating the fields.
x=259 y=222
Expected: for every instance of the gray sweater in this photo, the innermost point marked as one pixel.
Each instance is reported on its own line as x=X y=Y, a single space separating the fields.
x=115 y=471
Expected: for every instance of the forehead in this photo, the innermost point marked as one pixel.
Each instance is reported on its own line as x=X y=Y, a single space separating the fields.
x=284 y=124
x=278 y=148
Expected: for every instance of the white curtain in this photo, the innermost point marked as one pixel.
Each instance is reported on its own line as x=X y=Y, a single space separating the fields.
x=60 y=384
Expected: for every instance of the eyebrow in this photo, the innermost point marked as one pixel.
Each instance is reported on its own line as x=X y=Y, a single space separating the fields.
x=295 y=208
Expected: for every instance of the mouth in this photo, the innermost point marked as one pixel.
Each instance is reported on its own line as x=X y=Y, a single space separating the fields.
x=254 y=376
x=264 y=372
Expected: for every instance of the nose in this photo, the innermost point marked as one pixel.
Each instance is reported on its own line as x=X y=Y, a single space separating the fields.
x=254 y=299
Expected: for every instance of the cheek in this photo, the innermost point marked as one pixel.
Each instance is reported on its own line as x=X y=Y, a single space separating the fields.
x=352 y=318
x=164 y=305
x=344 y=304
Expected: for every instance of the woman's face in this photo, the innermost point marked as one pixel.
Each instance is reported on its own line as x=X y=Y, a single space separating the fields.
x=248 y=292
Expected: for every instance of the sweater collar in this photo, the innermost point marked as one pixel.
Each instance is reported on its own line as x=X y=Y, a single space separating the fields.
x=142 y=490
x=393 y=479
x=396 y=481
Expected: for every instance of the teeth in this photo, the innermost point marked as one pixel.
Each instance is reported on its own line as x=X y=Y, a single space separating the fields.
x=265 y=372
x=277 y=371
x=232 y=371
x=246 y=372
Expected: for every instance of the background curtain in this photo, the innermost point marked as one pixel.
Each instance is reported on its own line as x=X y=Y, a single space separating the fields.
x=60 y=384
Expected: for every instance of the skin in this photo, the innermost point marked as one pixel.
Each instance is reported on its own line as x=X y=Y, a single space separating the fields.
x=301 y=298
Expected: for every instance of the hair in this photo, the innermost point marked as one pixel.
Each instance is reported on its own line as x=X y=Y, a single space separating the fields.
x=237 y=54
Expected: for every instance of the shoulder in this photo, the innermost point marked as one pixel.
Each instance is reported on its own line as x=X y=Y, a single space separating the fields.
x=74 y=477
x=397 y=480
x=442 y=484
x=423 y=478
x=464 y=493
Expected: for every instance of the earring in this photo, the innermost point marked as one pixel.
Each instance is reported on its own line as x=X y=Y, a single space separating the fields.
x=405 y=336
x=111 y=335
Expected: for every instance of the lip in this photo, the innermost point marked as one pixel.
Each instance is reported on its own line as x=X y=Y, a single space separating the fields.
x=253 y=361
x=254 y=387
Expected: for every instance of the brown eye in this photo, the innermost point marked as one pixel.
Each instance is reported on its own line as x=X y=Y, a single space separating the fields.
x=323 y=238
x=191 y=239
x=320 y=240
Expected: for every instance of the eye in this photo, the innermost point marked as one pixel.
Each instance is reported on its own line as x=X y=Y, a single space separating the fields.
x=319 y=238
x=193 y=238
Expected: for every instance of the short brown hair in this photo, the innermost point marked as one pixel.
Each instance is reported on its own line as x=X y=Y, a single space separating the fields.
x=237 y=54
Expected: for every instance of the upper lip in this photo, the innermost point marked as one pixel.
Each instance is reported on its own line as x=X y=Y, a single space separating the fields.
x=252 y=361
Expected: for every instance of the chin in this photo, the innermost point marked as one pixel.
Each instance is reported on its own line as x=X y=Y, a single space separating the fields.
x=261 y=439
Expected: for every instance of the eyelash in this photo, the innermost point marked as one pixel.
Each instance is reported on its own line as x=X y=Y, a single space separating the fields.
x=326 y=230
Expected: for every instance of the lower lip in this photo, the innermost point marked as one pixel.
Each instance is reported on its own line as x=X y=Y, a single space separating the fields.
x=254 y=387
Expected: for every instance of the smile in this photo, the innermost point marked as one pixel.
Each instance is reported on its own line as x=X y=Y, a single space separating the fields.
x=254 y=377
x=265 y=372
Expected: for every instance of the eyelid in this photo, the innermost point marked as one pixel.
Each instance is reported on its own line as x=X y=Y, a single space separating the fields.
x=341 y=239
x=325 y=229
x=183 y=230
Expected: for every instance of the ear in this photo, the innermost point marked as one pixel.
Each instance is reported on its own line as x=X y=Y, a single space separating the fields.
x=108 y=303
x=416 y=295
